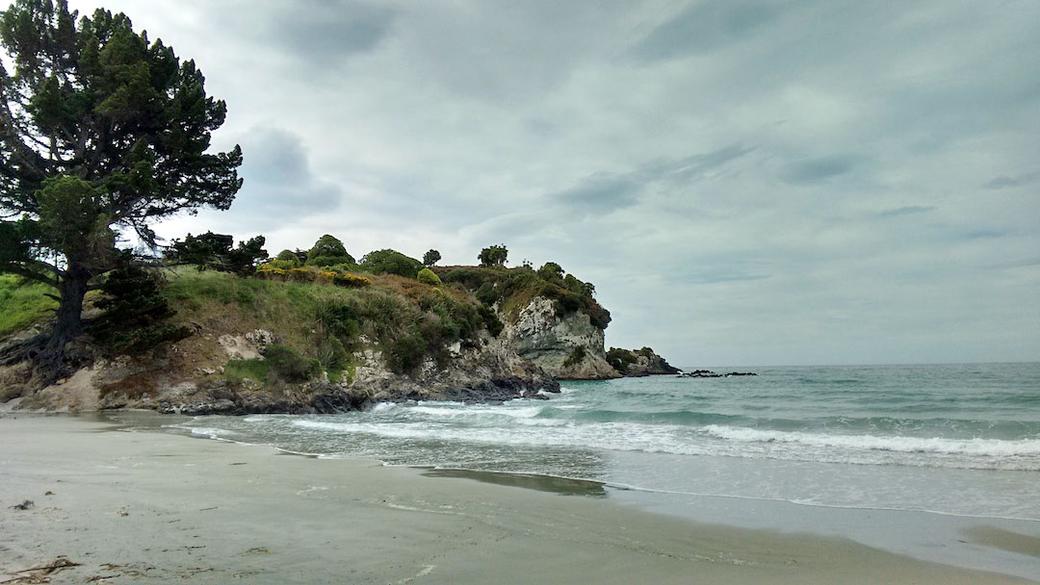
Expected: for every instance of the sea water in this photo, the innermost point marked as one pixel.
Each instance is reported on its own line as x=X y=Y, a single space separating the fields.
x=953 y=440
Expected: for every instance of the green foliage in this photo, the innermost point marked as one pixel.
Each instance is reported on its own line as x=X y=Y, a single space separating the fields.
x=254 y=369
x=339 y=319
x=493 y=256
x=328 y=251
x=214 y=252
x=348 y=280
x=288 y=365
x=104 y=130
x=576 y=356
x=427 y=276
x=390 y=262
x=24 y=302
x=331 y=354
x=512 y=289
x=551 y=271
x=431 y=257
x=405 y=353
x=135 y=312
x=70 y=217
x=492 y=323
x=288 y=256
x=620 y=359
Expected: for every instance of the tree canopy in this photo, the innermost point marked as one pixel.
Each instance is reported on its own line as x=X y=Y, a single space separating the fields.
x=102 y=131
x=493 y=256
x=328 y=251
x=214 y=252
x=390 y=262
x=431 y=257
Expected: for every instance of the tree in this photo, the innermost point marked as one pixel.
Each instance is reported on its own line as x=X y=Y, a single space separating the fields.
x=551 y=271
x=494 y=256
x=390 y=262
x=431 y=257
x=210 y=251
x=101 y=131
x=328 y=251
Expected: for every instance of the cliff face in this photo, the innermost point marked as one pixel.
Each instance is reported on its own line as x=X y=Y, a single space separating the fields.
x=568 y=347
x=189 y=378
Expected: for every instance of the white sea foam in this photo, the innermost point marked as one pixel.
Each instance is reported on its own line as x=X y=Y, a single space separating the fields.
x=976 y=446
x=211 y=432
x=710 y=440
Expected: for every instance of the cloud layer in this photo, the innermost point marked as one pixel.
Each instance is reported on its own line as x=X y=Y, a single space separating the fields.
x=746 y=182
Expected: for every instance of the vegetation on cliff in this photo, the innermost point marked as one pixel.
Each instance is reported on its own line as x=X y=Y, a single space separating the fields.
x=512 y=289
x=104 y=131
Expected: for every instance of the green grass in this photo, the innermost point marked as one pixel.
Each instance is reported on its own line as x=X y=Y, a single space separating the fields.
x=22 y=304
x=238 y=370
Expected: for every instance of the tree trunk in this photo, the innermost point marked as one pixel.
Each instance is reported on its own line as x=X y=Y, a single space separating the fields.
x=50 y=362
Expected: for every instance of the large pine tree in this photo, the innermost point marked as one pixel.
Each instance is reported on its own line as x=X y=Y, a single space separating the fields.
x=101 y=131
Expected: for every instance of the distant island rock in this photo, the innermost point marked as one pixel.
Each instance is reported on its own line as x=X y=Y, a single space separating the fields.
x=639 y=362
x=711 y=374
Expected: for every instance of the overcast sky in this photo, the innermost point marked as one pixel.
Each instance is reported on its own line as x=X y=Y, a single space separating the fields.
x=746 y=183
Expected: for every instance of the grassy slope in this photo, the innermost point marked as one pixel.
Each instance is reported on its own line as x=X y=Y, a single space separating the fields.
x=405 y=318
x=22 y=304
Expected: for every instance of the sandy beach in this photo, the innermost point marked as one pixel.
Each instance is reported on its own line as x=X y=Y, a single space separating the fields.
x=100 y=505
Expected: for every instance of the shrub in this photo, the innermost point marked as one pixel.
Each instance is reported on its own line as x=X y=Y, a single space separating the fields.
x=134 y=310
x=339 y=319
x=620 y=359
x=551 y=271
x=427 y=276
x=288 y=256
x=280 y=264
x=491 y=321
x=289 y=365
x=301 y=274
x=390 y=262
x=576 y=356
x=350 y=280
x=405 y=353
x=332 y=354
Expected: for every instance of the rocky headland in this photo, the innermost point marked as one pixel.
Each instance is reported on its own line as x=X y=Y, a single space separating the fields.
x=301 y=340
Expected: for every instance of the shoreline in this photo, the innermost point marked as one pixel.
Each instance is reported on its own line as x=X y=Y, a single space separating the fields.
x=155 y=506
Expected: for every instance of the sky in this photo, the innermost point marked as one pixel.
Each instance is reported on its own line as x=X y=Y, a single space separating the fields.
x=746 y=183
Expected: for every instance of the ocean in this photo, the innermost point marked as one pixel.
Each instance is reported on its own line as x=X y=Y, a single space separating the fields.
x=943 y=440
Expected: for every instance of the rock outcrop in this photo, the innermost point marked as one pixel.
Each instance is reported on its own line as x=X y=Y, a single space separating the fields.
x=186 y=378
x=568 y=347
x=639 y=362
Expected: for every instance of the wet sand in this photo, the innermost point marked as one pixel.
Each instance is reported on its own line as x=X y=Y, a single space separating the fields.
x=137 y=507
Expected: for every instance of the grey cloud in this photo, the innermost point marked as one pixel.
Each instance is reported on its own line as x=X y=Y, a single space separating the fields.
x=982 y=234
x=316 y=33
x=905 y=210
x=820 y=169
x=279 y=184
x=706 y=26
x=605 y=192
x=1005 y=182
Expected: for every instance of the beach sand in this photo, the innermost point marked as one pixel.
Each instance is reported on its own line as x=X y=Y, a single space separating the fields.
x=135 y=507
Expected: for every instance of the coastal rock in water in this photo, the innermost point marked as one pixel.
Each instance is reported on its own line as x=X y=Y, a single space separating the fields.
x=639 y=362
x=568 y=347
